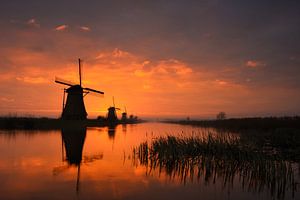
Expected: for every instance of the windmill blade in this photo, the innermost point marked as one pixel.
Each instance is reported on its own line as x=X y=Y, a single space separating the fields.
x=93 y=94
x=118 y=108
x=92 y=90
x=64 y=82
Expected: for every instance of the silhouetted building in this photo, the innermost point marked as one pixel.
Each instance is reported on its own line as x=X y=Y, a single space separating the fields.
x=74 y=108
x=112 y=115
x=124 y=117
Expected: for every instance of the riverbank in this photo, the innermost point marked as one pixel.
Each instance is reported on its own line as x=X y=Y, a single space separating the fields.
x=43 y=123
x=244 y=123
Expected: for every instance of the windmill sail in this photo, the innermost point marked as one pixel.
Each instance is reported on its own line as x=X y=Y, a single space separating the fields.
x=92 y=90
x=64 y=82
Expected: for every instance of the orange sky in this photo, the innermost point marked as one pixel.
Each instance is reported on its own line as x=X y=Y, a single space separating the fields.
x=167 y=87
x=153 y=72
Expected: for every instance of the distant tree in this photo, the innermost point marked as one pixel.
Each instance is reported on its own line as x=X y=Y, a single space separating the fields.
x=100 y=118
x=221 y=116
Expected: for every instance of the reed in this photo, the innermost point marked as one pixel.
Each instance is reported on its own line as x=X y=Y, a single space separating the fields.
x=218 y=158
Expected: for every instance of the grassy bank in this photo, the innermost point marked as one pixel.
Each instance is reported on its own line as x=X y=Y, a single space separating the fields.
x=32 y=123
x=273 y=134
x=43 y=123
x=245 y=123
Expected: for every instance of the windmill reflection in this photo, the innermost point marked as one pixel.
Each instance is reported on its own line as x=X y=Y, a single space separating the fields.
x=124 y=128
x=111 y=131
x=73 y=139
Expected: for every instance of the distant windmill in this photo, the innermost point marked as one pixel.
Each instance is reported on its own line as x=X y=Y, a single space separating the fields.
x=124 y=115
x=112 y=115
x=74 y=108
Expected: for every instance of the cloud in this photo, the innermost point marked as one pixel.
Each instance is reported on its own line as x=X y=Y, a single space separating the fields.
x=85 y=28
x=116 y=53
x=130 y=74
x=7 y=100
x=254 y=63
x=221 y=82
x=33 y=80
x=61 y=27
x=33 y=22
x=171 y=67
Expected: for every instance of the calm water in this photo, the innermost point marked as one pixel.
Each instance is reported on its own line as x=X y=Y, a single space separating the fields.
x=97 y=163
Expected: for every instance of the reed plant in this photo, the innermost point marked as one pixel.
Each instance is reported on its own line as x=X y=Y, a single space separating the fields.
x=221 y=158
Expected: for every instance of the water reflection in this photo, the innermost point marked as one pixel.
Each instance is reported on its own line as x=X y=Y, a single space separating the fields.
x=49 y=165
x=111 y=131
x=124 y=128
x=73 y=139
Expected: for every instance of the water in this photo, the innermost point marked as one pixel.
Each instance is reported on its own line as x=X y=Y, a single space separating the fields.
x=97 y=163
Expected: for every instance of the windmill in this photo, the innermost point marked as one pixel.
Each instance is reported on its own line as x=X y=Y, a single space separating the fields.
x=74 y=108
x=124 y=116
x=112 y=115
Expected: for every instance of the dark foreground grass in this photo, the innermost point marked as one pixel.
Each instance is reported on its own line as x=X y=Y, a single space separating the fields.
x=219 y=159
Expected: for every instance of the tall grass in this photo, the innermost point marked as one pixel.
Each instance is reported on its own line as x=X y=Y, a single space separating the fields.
x=218 y=158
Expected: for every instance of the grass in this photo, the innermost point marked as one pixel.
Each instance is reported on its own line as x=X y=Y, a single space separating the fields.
x=28 y=123
x=285 y=142
x=43 y=123
x=277 y=134
x=245 y=123
x=219 y=158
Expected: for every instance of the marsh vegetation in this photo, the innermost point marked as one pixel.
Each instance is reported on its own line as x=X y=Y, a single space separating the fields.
x=221 y=158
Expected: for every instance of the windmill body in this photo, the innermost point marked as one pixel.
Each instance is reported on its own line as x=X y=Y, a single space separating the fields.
x=74 y=108
x=124 y=116
x=112 y=115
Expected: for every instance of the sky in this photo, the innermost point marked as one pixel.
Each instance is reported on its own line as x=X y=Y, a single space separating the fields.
x=160 y=58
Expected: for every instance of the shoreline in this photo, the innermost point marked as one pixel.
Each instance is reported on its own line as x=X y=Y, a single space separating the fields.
x=43 y=123
x=261 y=123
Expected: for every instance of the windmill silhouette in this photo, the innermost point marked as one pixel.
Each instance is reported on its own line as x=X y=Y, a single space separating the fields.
x=74 y=108
x=112 y=114
x=124 y=116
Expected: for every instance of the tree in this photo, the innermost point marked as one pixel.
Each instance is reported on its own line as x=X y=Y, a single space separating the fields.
x=221 y=116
